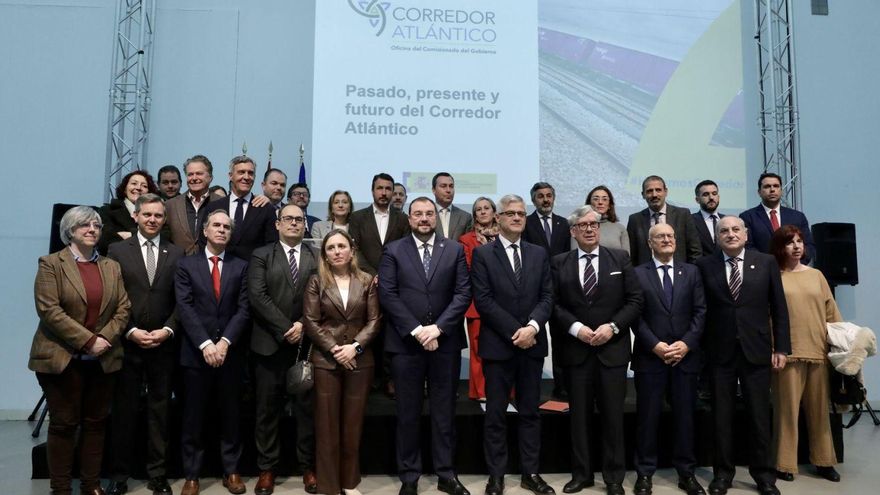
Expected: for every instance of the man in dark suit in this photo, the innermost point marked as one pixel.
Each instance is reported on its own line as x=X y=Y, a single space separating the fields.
x=300 y=195
x=277 y=277
x=597 y=300
x=372 y=228
x=514 y=296
x=212 y=307
x=424 y=289
x=254 y=225
x=658 y=211
x=274 y=186
x=148 y=265
x=705 y=220
x=550 y=231
x=666 y=355
x=185 y=212
x=762 y=220
x=452 y=221
x=742 y=288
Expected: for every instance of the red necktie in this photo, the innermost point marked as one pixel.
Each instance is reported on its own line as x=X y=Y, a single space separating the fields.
x=774 y=220
x=215 y=275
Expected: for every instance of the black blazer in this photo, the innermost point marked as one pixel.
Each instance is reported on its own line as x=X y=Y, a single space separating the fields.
x=618 y=299
x=706 y=243
x=687 y=245
x=201 y=316
x=276 y=301
x=363 y=229
x=504 y=305
x=745 y=322
x=560 y=236
x=152 y=306
x=256 y=230
x=684 y=320
x=410 y=298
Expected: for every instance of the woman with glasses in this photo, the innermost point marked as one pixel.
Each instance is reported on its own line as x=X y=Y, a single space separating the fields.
x=338 y=211
x=82 y=308
x=612 y=234
x=485 y=231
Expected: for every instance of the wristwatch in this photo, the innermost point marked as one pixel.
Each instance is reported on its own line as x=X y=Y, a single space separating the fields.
x=357 y=348
x=614 y=328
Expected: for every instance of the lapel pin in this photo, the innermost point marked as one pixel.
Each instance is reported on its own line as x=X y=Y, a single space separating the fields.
x=164 y=251
x=751 y=267
x=679 y=273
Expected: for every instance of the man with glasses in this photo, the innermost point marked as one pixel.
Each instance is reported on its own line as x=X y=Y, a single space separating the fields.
x=514 y=296
x=277 y=277
x=299 y=195
x=597 y=300
x=666 y=356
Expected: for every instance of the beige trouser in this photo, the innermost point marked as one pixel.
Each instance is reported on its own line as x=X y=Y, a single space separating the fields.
x=802 y=383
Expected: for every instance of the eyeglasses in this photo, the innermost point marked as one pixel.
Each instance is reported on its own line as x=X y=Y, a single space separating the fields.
x=94 y=225
x=299 y=193
x=585 y=226
x=293 y=220
x=511 y=214
x=663 y=236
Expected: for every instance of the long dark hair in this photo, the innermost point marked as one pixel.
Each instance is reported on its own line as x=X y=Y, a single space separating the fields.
x=611 y=215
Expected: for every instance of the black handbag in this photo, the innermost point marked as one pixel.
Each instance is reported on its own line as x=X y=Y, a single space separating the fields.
x=301 y=376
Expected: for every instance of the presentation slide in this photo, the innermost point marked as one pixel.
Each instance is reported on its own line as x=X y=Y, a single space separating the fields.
x=418 y=87
x=502 y=94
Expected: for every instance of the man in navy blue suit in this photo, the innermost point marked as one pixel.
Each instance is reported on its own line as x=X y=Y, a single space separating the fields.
x=425 y=290
x=666 y=355
x=706 y=195
x=212 y=307
x=514 y=296
x=762 y=220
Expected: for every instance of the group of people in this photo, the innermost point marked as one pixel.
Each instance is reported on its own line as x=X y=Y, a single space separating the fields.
x=214 y=288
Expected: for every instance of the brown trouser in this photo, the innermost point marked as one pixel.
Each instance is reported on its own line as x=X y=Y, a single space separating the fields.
x=77 y=397
x=802 y=383
x=340 y=400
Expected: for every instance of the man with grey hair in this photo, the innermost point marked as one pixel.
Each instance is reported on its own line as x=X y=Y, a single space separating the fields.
x=597 y=299
x=148 y=261
x=214 y=315
x=742 y=288
x=254 y=225
x=514 y=296
x=550 y=231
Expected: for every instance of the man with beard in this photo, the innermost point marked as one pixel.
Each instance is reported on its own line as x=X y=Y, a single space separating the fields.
x=658 y=211
x=705 y=220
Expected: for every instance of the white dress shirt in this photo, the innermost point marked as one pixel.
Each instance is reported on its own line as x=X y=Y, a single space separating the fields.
x=233 y=204
x=707 y=219
x=582 y=266
x=381 y=222
x=739 y=264
x=659 y=269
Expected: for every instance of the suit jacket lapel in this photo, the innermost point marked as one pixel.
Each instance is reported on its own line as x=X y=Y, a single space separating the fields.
x=335 y=297
x=108 y=282
x=655 y=283
x=68 y=266
x=282 y=263
x=161 y=258
x=765 y=220
x=355 y=295
x=720 y=273
x=436 y=254
x=415 y=256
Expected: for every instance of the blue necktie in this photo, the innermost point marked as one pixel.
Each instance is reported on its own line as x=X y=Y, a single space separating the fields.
x=667 y=285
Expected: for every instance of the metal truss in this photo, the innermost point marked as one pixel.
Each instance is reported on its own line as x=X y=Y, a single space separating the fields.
x=128 y=120
x=777 y=91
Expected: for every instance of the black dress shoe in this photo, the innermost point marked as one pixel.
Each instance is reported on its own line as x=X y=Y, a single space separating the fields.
x=159 y=485
x=452 y=486
x=614 y=489
x=643 y=485
x=782 y=475
x=535 y=484
x=691 y=486
x=116 y=488
x=409 y=488
x=719 y=486
x=495 y=485
x=828 y=472
x=576 y=485
x=767 y=489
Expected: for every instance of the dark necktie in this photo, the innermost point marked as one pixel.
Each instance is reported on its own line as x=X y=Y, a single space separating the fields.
x=774 y=220
x=667 y=285
x=547 y=232
x=215 y=275
x=239 y=212
x=426 y=258
x=590 y=280
x=517 y=264
x=151 y=261
x=735 y=278
x=294 y=269
x=714 y=218
x=656 y=217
